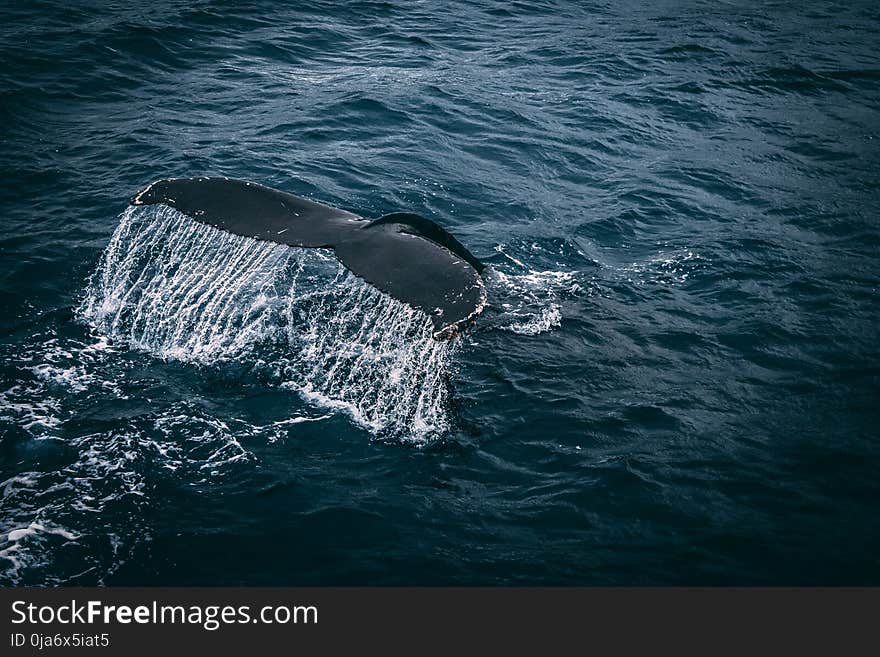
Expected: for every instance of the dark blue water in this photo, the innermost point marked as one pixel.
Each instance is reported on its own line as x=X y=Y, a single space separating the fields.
x=677 y=380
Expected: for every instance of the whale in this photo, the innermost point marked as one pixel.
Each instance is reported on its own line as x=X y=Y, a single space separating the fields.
x=407 y=256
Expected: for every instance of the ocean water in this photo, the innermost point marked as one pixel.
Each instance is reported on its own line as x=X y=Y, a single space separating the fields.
x=676 y=381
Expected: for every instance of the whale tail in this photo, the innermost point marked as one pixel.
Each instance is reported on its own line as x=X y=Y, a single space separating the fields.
x=409 y=257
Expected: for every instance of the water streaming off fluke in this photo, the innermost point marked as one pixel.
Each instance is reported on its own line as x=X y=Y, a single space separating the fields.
x=182 y=290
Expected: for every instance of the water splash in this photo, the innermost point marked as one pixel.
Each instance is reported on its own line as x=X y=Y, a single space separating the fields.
x=357 y=349
x=528 y=301
x=182 y=290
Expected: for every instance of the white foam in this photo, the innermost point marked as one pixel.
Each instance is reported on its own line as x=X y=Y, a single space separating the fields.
x=75 y=378
x=529 y=301
x=73 y=500
x=37 y=528
x=31 y=409
x=547 y=319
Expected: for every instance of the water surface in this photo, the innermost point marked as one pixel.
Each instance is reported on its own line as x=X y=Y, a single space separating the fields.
x=677 y=380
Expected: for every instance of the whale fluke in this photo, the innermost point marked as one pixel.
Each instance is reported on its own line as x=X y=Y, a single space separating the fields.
x=407 y=256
